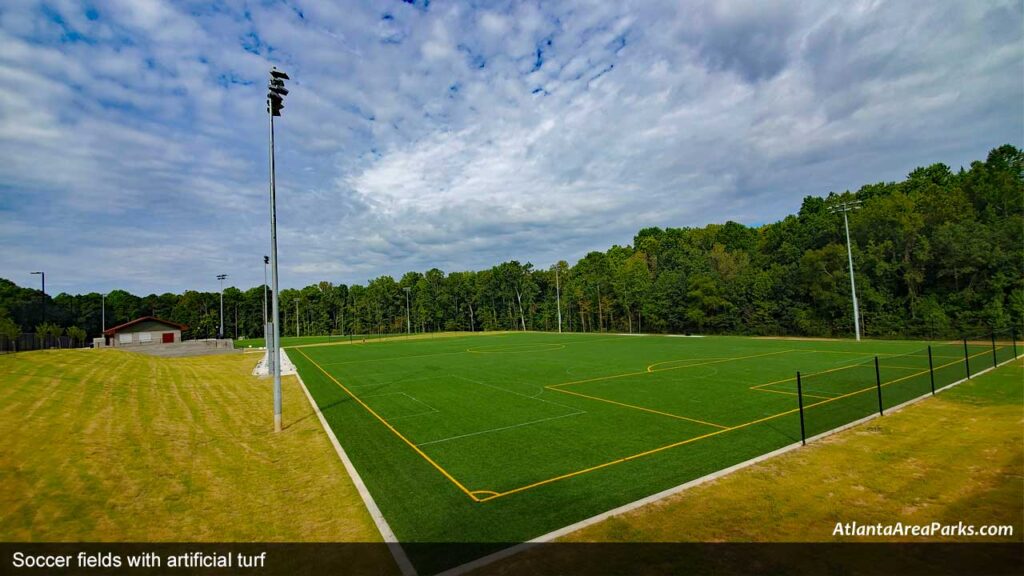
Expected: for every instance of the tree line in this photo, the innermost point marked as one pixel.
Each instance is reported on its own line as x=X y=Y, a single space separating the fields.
x=939 y=254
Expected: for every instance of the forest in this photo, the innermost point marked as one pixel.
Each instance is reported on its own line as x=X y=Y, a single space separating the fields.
x=939 y=254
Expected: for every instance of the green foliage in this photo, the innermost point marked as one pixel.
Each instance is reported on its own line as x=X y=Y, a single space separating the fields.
x=77 y=335
x=939 y=254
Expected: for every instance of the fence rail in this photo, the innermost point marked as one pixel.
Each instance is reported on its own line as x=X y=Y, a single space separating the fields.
x=832 y=399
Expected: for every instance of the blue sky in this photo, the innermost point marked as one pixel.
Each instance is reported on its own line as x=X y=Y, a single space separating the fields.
x=133 y=135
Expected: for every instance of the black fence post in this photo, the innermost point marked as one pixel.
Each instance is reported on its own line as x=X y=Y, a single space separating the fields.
x=800 y=400
x=878 y=386
x=994 y=361
x=931 y=369
x=967 y=360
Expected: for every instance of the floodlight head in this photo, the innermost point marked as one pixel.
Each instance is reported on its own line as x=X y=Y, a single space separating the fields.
x=221 y=276
x=35 y=272
x=278 y=74
x=266 y=259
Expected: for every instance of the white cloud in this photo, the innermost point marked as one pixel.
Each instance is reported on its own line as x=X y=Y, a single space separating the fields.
x=457 y=138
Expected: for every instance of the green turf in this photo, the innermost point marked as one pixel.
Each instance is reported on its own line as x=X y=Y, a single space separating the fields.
x=517 y=435
x=287 y=341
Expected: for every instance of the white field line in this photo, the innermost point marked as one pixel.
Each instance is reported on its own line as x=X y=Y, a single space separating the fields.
x=378 y=518
x=431 y=409
x=450 y=438
x=506 y=390
x=518 y=548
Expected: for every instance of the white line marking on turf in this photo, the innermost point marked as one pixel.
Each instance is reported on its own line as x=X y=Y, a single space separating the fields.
x=514 y=392
x=382 y=525
x=431 y=410
x=500 y=429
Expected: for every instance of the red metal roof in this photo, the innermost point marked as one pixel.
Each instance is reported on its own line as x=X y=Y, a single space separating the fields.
x=112 y=331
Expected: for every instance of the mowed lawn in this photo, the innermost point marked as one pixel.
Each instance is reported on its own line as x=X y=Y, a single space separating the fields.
x=958 y=457
x=104 y=445
x=507 y=437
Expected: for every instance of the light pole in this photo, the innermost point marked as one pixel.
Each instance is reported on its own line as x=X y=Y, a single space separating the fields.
x=103 y=316
x=408 y=318
x=558 y=299
x=275 y=102
x=297 y=317
x=844 y=208
x=266 y=260
x=221 y=277
x=43 y=275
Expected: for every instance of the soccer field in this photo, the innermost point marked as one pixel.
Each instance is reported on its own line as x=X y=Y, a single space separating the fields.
x=503 y=438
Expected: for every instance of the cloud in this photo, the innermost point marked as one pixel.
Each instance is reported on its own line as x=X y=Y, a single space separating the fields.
x=134 y=134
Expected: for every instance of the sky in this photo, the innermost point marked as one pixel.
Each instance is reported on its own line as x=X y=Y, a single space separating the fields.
x=134 y=134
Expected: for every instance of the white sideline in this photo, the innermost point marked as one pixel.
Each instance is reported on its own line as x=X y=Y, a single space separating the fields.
x=382 y=525
x=513 y=550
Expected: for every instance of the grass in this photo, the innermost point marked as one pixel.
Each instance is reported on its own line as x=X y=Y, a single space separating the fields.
x=104 y=445
x=504 y=438
x=956 y=458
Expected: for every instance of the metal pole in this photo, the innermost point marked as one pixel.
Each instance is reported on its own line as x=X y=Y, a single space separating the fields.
x=931 y=368
x=994 y=361
x=967 y=360
x=408 y=318
x=103 y=312
x=221 y=277
x=297 y=318
x=878 y=385
x=558 y=298
x=800 y=401
x=1013 y=337
x=266 y=260
x=853 y=284
x=274 y=300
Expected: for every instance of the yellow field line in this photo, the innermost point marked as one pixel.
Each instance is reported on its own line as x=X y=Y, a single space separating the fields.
x=793 y=393
x=637 y=407
x=651 y=369
x=392 y=428
x=690 y=440
x=685 y=360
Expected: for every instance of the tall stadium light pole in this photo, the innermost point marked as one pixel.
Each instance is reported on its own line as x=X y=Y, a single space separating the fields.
x=266 y=260
x=221 y=277
x=846 y=207
x=275 y=102
x=103 y=312
x=43 y=276
x=297 y=317
x=408 y=318
x=558 y=299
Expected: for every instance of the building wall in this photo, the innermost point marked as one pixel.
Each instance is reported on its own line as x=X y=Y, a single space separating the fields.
x=145 y=337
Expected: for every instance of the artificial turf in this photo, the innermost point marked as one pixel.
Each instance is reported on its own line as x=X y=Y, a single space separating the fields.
x=502 y=438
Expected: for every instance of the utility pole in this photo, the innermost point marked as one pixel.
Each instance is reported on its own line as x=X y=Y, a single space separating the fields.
x=408 y=318
x=221 y=277
x=43 y=276
x=846 y=207
x=558 y=299
x=275 y=102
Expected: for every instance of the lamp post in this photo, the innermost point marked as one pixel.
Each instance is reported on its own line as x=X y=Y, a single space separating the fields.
x=221 y=277
x=844 y=208
x=275 y=102
x=103 y=312
x=266 y=261
x=297 y=317
x=43 y=275
x=408 y=318
x=558 y=299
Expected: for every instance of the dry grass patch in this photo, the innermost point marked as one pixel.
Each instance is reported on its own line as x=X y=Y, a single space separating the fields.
x=104 y=445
